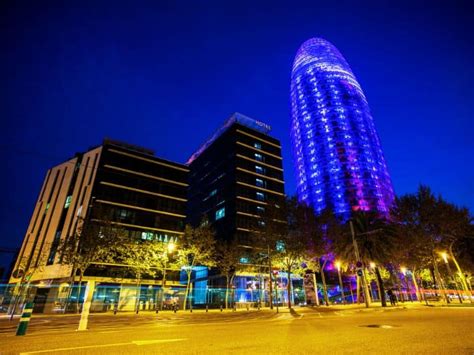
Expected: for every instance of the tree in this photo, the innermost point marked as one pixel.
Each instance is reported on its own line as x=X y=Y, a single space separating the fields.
x=92 y=242
x=295 y=241
x=28 y=270
x=436 y=224
x=227 y=261
x=196 y=247
x=140 y=258
x=375 y=240
x=267 y=239
x=329 y=229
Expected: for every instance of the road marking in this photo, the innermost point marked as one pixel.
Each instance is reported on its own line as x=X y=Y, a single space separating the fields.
x=134 y=342
x=147 y=342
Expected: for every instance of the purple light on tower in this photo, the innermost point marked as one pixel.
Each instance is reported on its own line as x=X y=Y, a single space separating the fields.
x=339 y=162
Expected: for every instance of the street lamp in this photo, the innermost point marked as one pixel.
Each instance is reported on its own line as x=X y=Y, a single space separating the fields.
x=372 y=265
x=338 y=267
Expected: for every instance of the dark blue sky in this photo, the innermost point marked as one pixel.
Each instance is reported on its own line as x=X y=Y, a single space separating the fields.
x=166 y=75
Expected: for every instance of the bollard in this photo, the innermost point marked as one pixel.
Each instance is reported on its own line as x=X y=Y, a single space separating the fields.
x=25 y=319
x=115 y=308
x=207 y=308
x=221 y=308
x=248 y=308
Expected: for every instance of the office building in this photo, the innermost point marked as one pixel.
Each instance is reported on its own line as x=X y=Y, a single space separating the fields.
x=339 y=162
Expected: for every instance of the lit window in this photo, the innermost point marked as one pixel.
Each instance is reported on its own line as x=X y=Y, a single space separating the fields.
x=213 y=192
x=261 y=224
x=147 y=235
x=68 y=201
x=260 y=196
x=260 y=209
x=244 y=260
x=220 y=213
x=280 y=246
x=259 y=169
x=257 y=145
x=258 y=157
x=259 y=182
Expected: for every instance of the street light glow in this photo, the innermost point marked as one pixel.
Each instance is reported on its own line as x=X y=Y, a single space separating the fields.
x=372 y=265
x=444 y=255
x=171 y=247
x=338 y=265
x=403 y=270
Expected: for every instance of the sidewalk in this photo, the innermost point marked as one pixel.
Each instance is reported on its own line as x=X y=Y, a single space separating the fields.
x=296 y=310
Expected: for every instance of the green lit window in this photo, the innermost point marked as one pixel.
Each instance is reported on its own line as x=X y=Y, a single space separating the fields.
x=244 y=260
x=220 y=213
x=280 y=246
x=213 y=192
x=68 y=201
x=147 y=235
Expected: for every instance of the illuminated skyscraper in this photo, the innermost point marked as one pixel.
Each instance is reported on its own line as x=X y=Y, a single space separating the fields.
x=339 y=162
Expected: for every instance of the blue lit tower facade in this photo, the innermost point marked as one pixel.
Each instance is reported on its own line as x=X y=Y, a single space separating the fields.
x=339 y=162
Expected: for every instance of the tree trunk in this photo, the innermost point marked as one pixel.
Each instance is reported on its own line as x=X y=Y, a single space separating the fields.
x=139 y=289
x=227 y=291
x=417 y=289
x=163 y=285
x=288 y=287
x=325 y=288
x=315 y=283
x=71 y=288
x=440 y=280
x=79 y=290
x=270 y=274
x=383 y=300
x=460 y=273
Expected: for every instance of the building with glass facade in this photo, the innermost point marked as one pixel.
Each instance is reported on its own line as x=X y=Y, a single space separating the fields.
x=126 y=185
x=339 y=162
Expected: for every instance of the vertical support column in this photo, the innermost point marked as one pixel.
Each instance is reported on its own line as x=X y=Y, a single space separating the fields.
x=90 y=288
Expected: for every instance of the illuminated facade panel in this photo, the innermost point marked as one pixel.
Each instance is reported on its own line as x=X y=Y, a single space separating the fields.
x=339 y=162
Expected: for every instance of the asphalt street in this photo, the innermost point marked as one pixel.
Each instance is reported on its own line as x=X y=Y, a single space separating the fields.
x=411 y=329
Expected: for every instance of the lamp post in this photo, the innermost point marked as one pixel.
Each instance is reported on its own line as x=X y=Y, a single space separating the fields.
x=338 y=267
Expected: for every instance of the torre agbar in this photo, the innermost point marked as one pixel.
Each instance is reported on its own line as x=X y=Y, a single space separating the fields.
x=339 y=162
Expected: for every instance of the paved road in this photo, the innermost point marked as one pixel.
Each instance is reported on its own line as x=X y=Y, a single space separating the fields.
x=446 y=330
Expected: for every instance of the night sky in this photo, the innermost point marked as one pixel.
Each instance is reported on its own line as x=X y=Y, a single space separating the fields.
x=166 y=75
